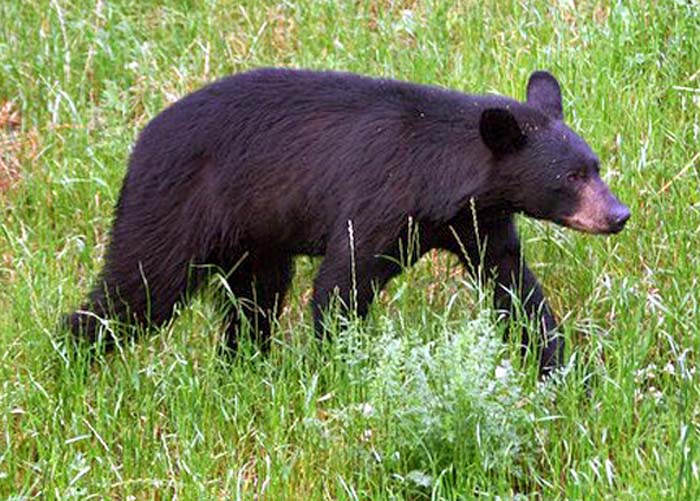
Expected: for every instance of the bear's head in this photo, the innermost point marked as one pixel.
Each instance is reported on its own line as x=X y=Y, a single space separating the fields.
x=545 y=170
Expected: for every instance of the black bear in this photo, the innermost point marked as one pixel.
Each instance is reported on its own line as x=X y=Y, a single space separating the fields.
x=254 y=169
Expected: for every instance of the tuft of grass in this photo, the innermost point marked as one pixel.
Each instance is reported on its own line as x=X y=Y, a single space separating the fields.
x=164 y=416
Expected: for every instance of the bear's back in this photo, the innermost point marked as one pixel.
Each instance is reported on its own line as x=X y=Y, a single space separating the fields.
x=294 y=150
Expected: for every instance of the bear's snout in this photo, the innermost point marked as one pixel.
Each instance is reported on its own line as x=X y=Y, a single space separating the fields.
x=598 y=211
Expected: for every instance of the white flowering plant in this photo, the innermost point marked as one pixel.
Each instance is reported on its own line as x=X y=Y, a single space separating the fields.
x=445 y=400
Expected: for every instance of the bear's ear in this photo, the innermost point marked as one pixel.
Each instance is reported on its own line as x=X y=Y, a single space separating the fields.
x=500 y=131
x=543 y=92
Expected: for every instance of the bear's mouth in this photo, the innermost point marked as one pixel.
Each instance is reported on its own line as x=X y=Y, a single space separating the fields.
x=591 y=226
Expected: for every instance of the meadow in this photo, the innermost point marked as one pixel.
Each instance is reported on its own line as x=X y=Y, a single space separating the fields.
x=424 y=399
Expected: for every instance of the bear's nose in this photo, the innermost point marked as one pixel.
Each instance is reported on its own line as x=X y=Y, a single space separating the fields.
x=619 y=217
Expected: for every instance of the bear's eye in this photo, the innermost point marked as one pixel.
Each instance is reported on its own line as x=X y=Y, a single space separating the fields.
x=577 y=175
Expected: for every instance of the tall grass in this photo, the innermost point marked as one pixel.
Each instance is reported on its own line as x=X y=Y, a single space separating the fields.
x=421 y=400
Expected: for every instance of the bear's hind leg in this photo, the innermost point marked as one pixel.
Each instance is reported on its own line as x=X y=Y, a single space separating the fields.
x=135 y=293
x=259 y=286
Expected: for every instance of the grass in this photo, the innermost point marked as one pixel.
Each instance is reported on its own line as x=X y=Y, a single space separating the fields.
x=421 y=400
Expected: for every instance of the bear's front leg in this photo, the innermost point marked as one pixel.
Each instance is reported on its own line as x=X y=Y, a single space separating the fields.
x=352 y=278
x=515 y=283
x=514 y=277
x=494 y=251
